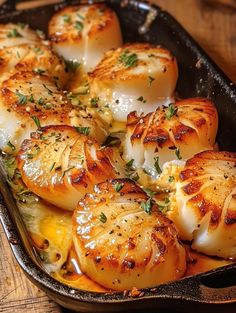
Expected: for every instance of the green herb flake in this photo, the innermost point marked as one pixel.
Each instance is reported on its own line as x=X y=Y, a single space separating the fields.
x=129 y=164
x=141 y=99
x=150 y=80
x=72 y=65
x=9 y=144
x=79 y=26
x=127 y=59
x=102 y=217
x=94 y=102
x=157 y=166
x=52 y=166
x=39 y=71
x=29 y=156
x=66 y=18
x=22 y=99
x=66 y=171
x=163 y=206
x=118 y=186
x=31 y=98
x=48 y=90
x=41 y=101
x=36 y=120
x=83 y=130
x=80 y=16
x=13 y=33
x=171 y=179
x=150 y=192
x=147 y=206
x=177 y=153
x=171 y=111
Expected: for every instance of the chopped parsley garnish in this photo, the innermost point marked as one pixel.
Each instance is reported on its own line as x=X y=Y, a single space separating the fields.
x=21 y=25
x=111 y=141
x=39 y=71
x=177 y=153
x=83 y=130
x=22 y=99
x=171 y=179
x=147 y=206
x=31 y=98
x=163 y=206
x=150 y=80
x=157 y=166
x=40 y=33
x=13 y=33
x=141 y=99
x=66 y=18
x=128 y=59
x=171 y=111
x=41 y=101
x=29 y=156
x=79 y=26
x=48 y=90
x=130 y=171
x=9 y=144
x=36 y=120
x=150 y=192
x=94 y=102
x=118 y=186
x=52 y=166
x=102 y=217
x=72 y=65
x=66 y=171
x=80 y=16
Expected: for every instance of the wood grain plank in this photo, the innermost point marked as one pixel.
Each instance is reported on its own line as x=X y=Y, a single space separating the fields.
x=213 y=24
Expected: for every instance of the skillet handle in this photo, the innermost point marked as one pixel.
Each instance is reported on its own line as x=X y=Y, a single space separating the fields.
x=211 y=288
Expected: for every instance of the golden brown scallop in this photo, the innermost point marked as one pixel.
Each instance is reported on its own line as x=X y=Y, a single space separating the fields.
x=122 y=240
x=136 y=77
x=35 y=57
x=61 y=163
x=17 y=34
x=83 y=33
x=176 y=132
x=203 y=207
x=26 y=96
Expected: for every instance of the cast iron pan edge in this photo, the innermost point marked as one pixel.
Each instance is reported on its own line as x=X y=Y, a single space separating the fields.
x=204 y=292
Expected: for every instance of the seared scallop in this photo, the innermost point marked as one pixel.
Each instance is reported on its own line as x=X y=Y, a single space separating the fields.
x=176 y=132
x=61 y=163
x=122 y=240
x=36 y=57
x=28 y=100
x=83 y=33
x=17 y=34
x=204 y=204
x=136 y=77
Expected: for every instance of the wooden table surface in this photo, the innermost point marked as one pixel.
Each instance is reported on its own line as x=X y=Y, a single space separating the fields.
x=213 y=24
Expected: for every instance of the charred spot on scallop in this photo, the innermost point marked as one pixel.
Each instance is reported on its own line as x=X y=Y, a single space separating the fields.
x=170 y=133
x=135 y=247
x=204 y=204
x=136 y=77
x=83 y=33
x=61 y=163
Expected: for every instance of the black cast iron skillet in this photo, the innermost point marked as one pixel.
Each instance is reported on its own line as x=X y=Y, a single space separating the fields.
x=214 y=291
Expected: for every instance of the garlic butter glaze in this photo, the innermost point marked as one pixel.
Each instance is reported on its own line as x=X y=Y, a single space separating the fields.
x=122 y=240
